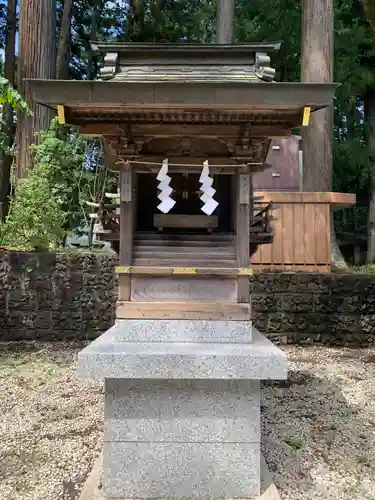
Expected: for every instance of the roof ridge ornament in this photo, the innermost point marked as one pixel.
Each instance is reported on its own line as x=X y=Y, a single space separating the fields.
x=262 y=67
x=110 y=67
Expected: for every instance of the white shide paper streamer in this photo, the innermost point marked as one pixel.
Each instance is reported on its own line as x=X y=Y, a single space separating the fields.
x=167 y=203
x=209 y=204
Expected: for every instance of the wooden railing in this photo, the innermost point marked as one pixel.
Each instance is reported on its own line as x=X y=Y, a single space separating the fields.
x=302 y=238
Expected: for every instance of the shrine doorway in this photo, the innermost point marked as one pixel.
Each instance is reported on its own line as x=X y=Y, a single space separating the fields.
x=186 y=193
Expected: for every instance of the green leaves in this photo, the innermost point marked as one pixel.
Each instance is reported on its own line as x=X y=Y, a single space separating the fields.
x=50 y=201
x=8 y=95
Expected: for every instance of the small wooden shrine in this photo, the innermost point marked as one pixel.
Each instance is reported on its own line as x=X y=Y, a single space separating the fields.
x=186 y=127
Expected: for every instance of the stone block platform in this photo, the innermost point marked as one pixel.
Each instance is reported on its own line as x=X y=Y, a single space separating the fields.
x=182 y=407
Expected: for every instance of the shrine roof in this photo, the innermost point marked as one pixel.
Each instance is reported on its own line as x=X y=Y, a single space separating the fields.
x=186 y=62
x=185 y=83
x=115 y=100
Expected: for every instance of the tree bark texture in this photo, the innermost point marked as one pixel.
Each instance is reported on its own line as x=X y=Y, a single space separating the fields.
x=370 y=112
x=37 y=59
x=317 y=67
x=224 y=21
x=91 y=70
x=8 y=122
x=64 y=50
x=369 y=8
x=317 y=138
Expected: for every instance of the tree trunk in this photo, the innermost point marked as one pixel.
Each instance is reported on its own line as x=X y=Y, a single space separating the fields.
x=91 y=71
x=37 y=59
x=370 y=112
x=224 y=21
x=63 y=54
x=317 y=138
x=369 y=8
x=8 y=123
x=317 y=67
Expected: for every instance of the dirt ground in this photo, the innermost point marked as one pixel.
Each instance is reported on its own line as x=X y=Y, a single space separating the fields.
x=318 y=427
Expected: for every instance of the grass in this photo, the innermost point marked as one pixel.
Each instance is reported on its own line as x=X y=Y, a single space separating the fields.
x=363 y=460
x=295 y=443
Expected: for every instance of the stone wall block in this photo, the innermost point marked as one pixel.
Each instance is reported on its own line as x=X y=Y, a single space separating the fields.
x=266 y=302
x=302 y=302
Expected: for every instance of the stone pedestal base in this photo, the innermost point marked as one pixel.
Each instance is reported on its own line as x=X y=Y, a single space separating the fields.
x=182 y=419
x=179 y=438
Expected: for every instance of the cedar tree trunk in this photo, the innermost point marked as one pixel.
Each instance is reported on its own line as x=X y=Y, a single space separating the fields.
x=64 y=50
x=8 y=123
x=37 y=59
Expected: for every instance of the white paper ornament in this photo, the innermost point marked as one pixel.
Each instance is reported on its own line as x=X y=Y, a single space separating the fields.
x=167 y=203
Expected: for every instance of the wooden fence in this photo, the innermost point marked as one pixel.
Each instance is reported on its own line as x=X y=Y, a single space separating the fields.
x=302 y=231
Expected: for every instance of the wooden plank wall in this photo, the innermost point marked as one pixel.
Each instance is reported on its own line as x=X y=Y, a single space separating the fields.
x=302 y=234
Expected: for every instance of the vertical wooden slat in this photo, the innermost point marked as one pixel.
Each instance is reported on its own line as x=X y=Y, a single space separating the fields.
x=328 y=218
x=277 y=245
x=289 y=233
x=267 y=254
x=134 y=199
x=309 y=233
x=257 y=257
x=298 y=229
x=126 y=228
x=124 y=283
x=322 y=250
x=242 y=234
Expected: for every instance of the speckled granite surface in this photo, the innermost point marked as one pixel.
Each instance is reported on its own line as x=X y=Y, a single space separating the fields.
x=182 y=407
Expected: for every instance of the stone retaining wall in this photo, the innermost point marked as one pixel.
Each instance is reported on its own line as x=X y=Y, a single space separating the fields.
x=72 y=297
x=56 y=297
x=335 y=309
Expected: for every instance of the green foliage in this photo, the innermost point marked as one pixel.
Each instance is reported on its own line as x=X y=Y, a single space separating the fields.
x=60 y=152
x=9 y=95
x=36 y=219
x=50 y=201
x=367 y=269
x=352 y=168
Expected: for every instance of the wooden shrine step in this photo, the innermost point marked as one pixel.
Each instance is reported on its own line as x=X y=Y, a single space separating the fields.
x=184 y=250
x=183 y=310
x=183 y=253
x=188 y=249
x=184 y=236
x=201 y=244
x=176 y=260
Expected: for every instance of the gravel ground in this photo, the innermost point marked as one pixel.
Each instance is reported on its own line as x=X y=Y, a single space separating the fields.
x=318 y=427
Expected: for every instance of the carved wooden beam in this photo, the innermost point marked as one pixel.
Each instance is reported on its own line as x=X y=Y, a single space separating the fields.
x=165 y=130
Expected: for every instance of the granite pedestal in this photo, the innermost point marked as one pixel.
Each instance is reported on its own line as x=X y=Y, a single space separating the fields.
x=182 y=406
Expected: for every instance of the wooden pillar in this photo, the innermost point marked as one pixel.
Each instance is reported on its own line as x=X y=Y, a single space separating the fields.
x=242 y=233
x=126 y=229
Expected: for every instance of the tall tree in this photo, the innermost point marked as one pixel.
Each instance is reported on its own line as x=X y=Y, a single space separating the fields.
x=369 y=8
x=95 y=15
x=8 y=122
x=369 y=104
x=37 y=59
x=317 y=138
x=317 y=67
x=64 y=49
x=224 y=20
